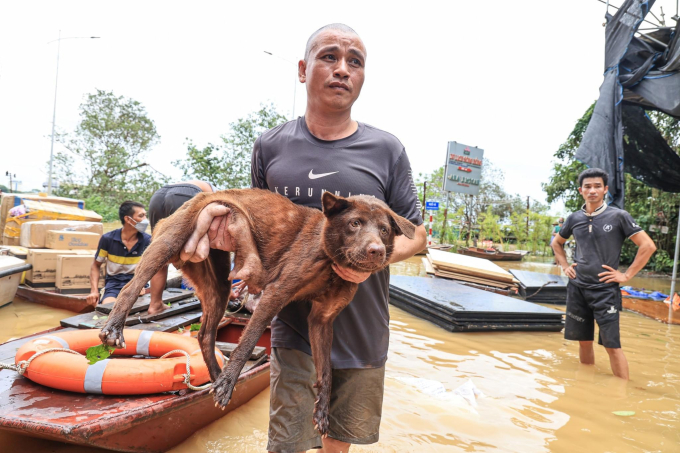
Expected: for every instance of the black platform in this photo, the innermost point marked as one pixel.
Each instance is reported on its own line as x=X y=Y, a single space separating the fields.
x=459 y=308
x=544 y=288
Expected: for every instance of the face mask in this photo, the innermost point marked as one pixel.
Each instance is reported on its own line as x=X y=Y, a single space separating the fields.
x=141 y=226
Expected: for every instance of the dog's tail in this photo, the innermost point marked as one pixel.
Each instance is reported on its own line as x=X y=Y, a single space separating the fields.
x=168 y=240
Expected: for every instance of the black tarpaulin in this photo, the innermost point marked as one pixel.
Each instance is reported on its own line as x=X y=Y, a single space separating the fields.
x=639 y=72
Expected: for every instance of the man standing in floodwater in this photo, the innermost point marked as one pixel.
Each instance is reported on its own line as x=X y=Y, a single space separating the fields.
x=328 y=150
x=593 y=292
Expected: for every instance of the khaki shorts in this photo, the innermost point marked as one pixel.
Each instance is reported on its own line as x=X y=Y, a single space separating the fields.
x=355 y=409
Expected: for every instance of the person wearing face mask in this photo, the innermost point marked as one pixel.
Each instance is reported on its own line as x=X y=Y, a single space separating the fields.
x=121 y=250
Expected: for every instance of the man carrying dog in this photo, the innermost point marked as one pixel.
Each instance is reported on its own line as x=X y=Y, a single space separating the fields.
x=593 y=292
x=326 y=150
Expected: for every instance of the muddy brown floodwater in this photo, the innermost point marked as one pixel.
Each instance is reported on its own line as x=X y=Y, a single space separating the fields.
x=537 y=397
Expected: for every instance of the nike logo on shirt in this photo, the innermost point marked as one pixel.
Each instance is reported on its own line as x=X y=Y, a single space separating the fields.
x=321 y=175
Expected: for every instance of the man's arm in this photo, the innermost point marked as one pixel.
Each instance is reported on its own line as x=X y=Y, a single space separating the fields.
x=403 y=248
x=561 y=257
x=646 y=249
x=93 y=297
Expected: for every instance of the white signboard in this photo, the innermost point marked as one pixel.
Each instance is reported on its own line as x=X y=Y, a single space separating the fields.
x=463 y=172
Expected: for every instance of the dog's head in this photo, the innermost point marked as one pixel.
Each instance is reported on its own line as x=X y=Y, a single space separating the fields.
x=359 y=231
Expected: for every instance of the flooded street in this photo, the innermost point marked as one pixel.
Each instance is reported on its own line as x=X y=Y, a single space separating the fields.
x=537 y=397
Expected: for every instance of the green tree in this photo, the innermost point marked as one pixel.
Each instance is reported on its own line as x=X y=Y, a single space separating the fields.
x=227 y=165
x=104 y=159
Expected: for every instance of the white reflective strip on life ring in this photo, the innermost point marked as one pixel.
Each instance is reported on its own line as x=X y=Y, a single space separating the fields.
x=61 y=341
x=94 y=376
x=143 y=342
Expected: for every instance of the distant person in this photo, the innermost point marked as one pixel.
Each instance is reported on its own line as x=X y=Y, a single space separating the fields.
x=557 y=227
x=163 y=204
x=121 y=249
x=593 y=292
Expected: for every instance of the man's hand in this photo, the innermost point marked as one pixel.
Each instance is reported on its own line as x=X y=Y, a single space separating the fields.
x=210 y=231
x=612 y=276
x=93 y=298
x=350 y=275
x=570 y=271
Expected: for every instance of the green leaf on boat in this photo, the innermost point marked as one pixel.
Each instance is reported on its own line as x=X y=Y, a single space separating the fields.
x=169 y=304
x=97 y=353
x=180 y=329
x=195 y=327
x=624 y=413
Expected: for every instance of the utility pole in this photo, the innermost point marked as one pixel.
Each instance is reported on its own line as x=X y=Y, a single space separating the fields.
x=446 y=210
x=9 y=173
x=527 y=218
x=424 y=198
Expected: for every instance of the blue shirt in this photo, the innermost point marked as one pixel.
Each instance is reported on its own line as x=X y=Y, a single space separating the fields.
x=120 y=262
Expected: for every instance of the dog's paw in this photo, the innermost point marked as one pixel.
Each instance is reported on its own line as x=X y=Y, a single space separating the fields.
x=112 y=334
x=222 y=389
x=321 y=422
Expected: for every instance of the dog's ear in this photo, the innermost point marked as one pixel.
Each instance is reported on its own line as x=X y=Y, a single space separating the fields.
x=333 y=204
x=402 y=225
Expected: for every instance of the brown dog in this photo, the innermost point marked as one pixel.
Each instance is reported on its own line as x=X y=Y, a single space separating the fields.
x=285 y=248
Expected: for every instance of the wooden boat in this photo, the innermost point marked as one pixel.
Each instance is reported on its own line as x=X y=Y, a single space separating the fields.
x=493 y=254
x=442 y=247
x=143 y=423
x=72 y=302
x=655 y=309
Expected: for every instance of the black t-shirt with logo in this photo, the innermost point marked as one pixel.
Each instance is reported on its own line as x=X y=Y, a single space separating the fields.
x=599 y=237
x=289 y=160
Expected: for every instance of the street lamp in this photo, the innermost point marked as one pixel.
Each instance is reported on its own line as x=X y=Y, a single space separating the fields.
x=54 y=111
x=295 y=81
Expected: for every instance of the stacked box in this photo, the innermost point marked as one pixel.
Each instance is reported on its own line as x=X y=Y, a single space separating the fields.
x=10 y=200
x=73 y=274
x=71 y=240
x=44 y=262
x=34 y=234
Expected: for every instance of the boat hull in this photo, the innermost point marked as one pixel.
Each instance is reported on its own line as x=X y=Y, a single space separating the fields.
x=142 y=423
x=73 y=302
x=655 y=309
x=497 y=256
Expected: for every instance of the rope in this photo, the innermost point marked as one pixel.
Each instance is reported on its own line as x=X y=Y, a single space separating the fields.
x=243 y=304
x=187 y=376
x=539 y=289
x=23 y=365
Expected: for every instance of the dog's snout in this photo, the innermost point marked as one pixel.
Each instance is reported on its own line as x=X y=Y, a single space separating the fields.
x=376 y=252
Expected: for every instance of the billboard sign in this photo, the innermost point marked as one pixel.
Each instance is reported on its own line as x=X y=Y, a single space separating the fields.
x=463 y=168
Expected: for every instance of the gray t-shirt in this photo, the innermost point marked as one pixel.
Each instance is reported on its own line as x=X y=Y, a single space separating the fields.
x=599 y=237
x=289 y=160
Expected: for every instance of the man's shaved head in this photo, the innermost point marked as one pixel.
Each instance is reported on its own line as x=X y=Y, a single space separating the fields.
x=312 y=39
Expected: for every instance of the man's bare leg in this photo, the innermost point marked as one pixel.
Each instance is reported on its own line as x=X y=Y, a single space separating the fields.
x=619 y=363
x=158 y=283
x=586 y=353
x=331 y=445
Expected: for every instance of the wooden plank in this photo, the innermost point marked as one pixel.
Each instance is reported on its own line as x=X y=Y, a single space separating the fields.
x=428 y=266
x=171 y=324
x=169 y=295
x=470 y=279
x=469 y=265
x=177 y=307
x=228 y=348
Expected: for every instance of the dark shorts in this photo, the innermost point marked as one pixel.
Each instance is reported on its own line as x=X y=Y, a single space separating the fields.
x=584 y=306
x=355 y=409
x=166 y=200
x=112 y=289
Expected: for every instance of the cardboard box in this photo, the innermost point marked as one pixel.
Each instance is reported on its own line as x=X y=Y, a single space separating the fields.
x=44 y=262
x=10 y=200
x=71 y=240
x=73 y=274
x=33 y=234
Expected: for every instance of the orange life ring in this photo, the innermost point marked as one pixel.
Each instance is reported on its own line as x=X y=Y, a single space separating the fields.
x=72 y=372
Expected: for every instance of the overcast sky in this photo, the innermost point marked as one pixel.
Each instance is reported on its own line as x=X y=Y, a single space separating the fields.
x=509 y=77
